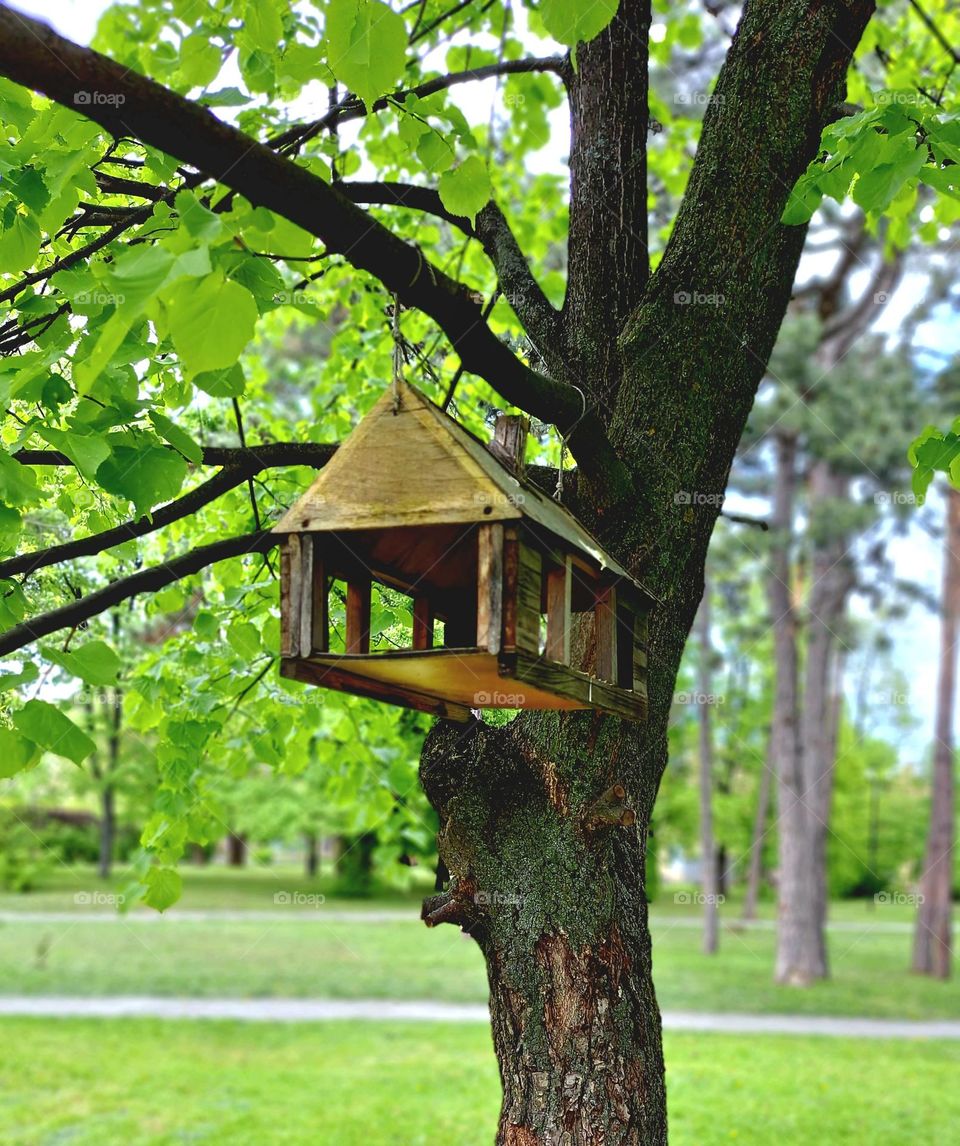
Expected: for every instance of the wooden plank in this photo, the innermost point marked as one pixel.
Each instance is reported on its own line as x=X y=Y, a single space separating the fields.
x=356 y=685
x=320 y=629
x=559 y=587
x=561 y=680
x=605 y=629
x=489 y=586
x=626 y=639
x=640 y=652
x=290 y=594
x=511 y=561
x=306 y=595
x=358 y=615
x=529 y=577
x=422 y=623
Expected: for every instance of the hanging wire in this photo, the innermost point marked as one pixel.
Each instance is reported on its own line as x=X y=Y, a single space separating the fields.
x=558 y=492
x=397 y=355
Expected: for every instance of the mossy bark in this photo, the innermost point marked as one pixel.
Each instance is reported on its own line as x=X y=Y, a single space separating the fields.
x=546 y=882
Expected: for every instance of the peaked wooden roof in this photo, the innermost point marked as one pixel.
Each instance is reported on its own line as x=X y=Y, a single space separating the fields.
x=415 y=465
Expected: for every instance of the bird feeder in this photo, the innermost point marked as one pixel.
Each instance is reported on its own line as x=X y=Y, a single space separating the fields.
x=498 y=587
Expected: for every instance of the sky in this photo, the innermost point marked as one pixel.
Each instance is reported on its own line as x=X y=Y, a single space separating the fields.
x=916 y=557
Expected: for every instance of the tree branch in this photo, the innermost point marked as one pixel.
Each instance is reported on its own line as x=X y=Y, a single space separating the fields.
x=517 y=283
x=353 y=108
x=191 y=502
x=251 y=460
x=145 y=581
x=34 y=55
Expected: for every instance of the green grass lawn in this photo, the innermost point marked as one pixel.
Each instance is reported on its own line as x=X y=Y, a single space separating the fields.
x=152 y=1083
x=402 y=959
x=214 y=888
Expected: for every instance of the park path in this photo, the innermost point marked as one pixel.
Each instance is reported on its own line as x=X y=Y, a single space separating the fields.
x=322 y=914
x=385 y=1010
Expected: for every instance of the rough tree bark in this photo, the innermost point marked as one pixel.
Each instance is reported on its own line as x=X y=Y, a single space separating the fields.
x=933 y=936
x=554 y=898
x=545 y=873
x=709 y=857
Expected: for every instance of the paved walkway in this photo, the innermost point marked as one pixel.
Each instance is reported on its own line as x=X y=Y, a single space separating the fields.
x=324 y=914
x=382 y=1010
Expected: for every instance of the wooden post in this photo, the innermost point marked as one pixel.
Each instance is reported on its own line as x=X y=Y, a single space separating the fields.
x=489 y=586
x=529 y=575
x=358 y=615
x=605 y=627
x=422 y=623
x=559 y=586
x=290 y=596
x=509 y=445
x=320 y=627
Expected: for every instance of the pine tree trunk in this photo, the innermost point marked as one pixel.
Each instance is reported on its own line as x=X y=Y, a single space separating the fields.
x=934 y=928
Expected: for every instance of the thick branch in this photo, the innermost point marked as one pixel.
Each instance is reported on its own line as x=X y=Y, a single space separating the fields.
x=252 y=459
x=145 y=581
x=190 y=503
x=34 y=55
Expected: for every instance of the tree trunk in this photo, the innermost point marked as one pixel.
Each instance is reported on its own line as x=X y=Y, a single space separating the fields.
x=236 y=850
x=312 y=856
x=108 y=816
x=933 y=935
x=755 y=870
x=107 y=831
x=544 y=872
x=708 y=852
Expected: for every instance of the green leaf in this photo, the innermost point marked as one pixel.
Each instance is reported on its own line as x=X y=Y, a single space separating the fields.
x=17 y=752
x=576 y=21
x=211 y=322
x=86 y=451
x=137 y=274
x=366 y=46
x=94 y=663
x=199 y=60
x=197 y=220
x=18 y=483
x=164 y=886
x=53 y=730
x=465 y=190
x=19 y=244
x=244 y=639
x=27 y=675
x=229 y=383
x=146 y=475
x=179 y=439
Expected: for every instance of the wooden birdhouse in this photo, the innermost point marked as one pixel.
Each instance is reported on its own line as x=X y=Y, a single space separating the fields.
x=491 y=591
